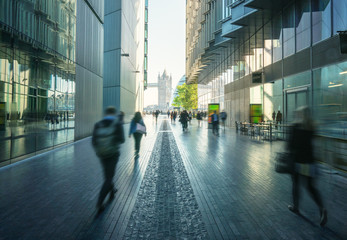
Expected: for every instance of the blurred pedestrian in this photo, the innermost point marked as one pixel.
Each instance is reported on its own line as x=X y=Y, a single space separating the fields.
x=223 y=117
x=190 y=117
x=108 y=134
x=279 y=117
x=184 y=117
x=199 y=117
x=301 y=149
x=175 y=116
x=273 y=116
x=168 y=114
x=137 y=129
x=156 y=116
x=215 y=123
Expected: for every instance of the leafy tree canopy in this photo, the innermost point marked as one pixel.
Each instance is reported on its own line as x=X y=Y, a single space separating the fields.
x=187 y=97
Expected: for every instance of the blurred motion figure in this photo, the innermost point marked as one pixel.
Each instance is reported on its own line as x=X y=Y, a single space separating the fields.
x=137 y=129
x=301 y=149
x=108 y=134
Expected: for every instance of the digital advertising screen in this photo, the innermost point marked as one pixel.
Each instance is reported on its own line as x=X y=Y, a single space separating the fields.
x=211 y=108
x=256 y=113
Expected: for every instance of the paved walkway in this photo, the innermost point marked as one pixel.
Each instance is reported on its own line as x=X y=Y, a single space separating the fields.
x=190 y=185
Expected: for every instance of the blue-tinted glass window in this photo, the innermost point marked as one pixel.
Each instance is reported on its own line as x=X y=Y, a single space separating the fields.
x=340 y=15
x=288 y=31
x=303 y=24
x=277 y=37
x=321 y=20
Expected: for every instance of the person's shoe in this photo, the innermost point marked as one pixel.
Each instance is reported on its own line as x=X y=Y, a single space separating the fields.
x=112 y=193
x=293 y=209
x=323 y=217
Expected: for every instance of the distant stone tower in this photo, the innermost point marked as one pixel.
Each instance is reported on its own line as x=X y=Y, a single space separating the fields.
x=164 y=91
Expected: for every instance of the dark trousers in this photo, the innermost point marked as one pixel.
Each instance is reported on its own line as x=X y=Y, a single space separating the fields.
x=215 y=128
x=137 y=137
x=296 y=178
x=184 y=125
x=109 y=167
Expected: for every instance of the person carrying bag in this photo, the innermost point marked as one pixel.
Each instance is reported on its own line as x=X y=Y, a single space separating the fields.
x=137 y=129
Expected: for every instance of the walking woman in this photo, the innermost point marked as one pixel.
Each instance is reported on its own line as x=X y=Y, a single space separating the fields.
x=137 y=128
x=301 y=148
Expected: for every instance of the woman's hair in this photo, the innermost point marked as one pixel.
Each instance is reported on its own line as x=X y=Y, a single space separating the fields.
x=137 y=117
x=303 y=118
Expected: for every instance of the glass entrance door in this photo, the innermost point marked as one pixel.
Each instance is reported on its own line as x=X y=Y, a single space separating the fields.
x=294 y=100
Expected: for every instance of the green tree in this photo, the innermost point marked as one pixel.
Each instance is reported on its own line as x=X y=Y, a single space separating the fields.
x=187 y=97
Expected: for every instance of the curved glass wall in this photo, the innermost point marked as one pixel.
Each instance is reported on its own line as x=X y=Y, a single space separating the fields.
x=37 y=75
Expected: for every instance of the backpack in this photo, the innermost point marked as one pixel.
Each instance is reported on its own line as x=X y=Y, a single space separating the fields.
x=105 y=140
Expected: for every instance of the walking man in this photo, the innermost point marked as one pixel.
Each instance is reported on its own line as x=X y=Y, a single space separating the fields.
x=223 y=116
x=108 y=134
x=215 y=123
x=156 y=116
x=279 y=117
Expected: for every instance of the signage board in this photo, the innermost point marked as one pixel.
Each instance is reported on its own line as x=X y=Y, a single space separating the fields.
x=211 y=108
x=257 y=77
x=256 y=113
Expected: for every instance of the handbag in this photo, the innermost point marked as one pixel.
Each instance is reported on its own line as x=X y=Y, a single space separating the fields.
x=306 y=169
x=284 y=163
x=140 y=128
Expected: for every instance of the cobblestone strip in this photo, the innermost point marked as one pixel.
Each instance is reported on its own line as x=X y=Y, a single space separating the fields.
x=166 y=207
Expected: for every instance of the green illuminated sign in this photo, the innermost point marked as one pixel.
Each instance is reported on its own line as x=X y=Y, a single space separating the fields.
x=213 y=107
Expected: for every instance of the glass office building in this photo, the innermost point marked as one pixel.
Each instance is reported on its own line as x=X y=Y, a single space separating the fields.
x=37 y=75
x=280 y=54
x=125 y=55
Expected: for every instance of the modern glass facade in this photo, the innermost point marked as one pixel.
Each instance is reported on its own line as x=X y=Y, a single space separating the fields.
x=292 y=45
x=37 y=75
x=50 y=74
x=124 y=55
x=145 y=74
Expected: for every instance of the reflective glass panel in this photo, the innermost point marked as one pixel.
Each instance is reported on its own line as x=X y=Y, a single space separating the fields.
x=303 y=24
x=277 y=38
x=321 y=20
x=288 y=31
x=340 y=15
x=330 y=99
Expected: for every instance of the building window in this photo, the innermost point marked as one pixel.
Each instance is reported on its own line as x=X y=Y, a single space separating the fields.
x=288 y=31
x=267 y=44
x=303 y=24
x=277 y=37
x=321 y=20
x=330 y=99
x=340 y=15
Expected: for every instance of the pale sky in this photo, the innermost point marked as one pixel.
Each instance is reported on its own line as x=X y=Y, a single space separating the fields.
x=166 y=43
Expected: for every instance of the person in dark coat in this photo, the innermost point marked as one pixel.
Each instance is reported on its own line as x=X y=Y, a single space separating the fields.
x=301 y=149
x=279 y=117
x=199 y=117
x=115 y=138
x=184 y=118
x=137 y=135
x=215 y=123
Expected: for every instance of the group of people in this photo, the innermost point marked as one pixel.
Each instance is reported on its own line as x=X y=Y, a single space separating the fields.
x=108 y=135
